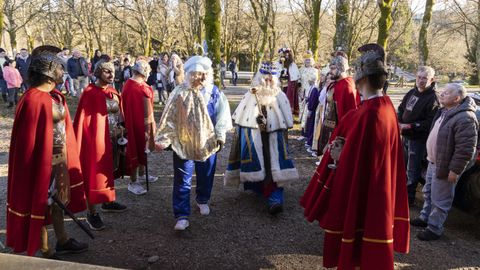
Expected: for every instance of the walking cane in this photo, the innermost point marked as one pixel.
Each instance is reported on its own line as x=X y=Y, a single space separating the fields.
x=122 y=142
x=146 y=165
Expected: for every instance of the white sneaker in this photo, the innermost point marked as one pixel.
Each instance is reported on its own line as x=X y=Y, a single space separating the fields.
x=309 y=150
x=317 y=163
x=314 y=153
x=301 y=138
x=181 y=225
x=151 y=178
x=204 y=209
x=136 y=188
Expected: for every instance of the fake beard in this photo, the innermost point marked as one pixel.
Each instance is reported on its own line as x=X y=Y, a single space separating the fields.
x=267 y=94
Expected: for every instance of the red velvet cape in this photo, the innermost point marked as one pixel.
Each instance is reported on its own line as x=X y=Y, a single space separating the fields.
x=346 y=96
x=362 y=205
x=133 y=94
x=94 y=144
x=29 y=170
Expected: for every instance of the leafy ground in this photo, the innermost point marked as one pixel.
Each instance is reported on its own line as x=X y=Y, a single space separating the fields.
x=238 y=234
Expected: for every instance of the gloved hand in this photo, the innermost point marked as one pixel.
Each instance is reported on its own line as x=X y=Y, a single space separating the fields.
x=261 y=120
x=221 y=144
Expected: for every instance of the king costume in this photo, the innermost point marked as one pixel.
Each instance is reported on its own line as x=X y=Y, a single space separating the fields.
x=259 y=158
x=358 y=193
x=194 y=125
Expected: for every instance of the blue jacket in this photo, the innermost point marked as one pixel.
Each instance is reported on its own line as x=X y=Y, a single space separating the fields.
x=77 y=67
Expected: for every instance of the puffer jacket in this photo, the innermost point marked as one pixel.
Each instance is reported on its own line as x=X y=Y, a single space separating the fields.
x=457 y=138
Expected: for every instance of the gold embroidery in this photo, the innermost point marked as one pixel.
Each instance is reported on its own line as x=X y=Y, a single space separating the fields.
x=103 y=189
x=77 y=185
x=333 y=232
x=249 y=146
x=348 y=240
x=379 y=241
x=285 y=154
x=24 y=214
x=401 y=218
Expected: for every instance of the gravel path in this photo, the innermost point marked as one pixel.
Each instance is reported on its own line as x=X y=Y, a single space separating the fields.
x=238 y=234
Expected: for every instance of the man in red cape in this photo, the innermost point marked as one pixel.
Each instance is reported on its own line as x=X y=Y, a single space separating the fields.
x=98 y=115
x=37 y=129
x=358 y=191
x=341 y=98
x=137 y=98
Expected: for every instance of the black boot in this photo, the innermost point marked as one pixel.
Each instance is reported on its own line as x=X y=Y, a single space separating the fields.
x=4 y=97
x=10 y=105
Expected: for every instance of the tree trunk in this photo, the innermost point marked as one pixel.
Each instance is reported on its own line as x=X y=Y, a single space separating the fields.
x=478 y=41
x=212 y=34
x=342 y=28
x=384 y=22
x=422 y=39
x=315 y=28
x=2 y=3
x=13 y=40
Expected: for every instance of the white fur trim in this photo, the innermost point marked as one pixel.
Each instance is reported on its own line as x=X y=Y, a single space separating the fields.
x=279 y=113
x=285 y=177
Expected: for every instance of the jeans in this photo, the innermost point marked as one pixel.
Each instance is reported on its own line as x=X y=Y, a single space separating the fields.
x=13 y=95
x=415 y=152
x=438 y=195
x=234 y=78
x=71 y=88
x=222 y=78
x=182 y=183
x=79 y=84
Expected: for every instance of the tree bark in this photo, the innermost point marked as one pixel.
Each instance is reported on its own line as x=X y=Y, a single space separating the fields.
x=342 y=28
x=2 y=3
x=212 y=34
x=422 y=39
x=477 y=28
x=315 y=28
x=384 y=22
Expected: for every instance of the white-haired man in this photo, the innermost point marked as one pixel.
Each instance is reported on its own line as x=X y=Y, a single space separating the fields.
x=259 y=156
x=194 y=125
x=451 y=146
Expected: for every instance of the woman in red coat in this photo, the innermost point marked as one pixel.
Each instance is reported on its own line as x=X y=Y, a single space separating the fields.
x=358 y=192
x=43 y=160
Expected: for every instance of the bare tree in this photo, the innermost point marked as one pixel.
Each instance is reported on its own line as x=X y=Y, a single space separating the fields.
x=385 y=21
x=212 y=34
x=469 y=26
x=422 y=39
x=18 y=14
x=264 y=12
x=343 y=28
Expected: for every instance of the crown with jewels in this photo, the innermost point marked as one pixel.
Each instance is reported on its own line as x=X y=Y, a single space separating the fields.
x=268 y=68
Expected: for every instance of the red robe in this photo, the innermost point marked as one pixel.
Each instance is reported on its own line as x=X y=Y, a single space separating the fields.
x=133 y=94
x=29 y=170
x=345 y=95
x=292 y=95
x=362 y=205
x=94 y=144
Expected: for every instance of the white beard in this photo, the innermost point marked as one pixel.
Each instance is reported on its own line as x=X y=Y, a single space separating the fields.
x=267 y=95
